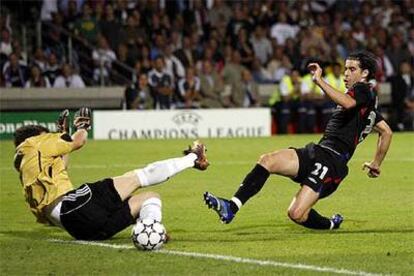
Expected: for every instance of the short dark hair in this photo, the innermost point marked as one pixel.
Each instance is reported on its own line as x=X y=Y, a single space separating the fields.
x=24 y=132
x=367 y=61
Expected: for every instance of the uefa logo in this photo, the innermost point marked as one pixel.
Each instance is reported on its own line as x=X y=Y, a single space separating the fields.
x=186 y=117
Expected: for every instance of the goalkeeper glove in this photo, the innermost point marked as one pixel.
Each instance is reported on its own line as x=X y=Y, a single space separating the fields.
x=62 y=123
x=82 y=118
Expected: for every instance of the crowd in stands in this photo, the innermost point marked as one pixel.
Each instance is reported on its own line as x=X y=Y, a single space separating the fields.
x=215 y=53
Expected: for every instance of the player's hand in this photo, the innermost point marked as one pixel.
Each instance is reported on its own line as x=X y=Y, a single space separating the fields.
x=82 y=118
x=316 y=71
x=62 y=123
x=373 y=169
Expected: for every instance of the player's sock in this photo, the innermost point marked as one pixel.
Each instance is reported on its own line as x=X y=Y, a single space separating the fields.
x=316 y=221
x=251 y=185
x=161 y=171
x=151 y=208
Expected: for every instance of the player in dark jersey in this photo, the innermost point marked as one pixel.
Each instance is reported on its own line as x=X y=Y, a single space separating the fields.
x=320 y=168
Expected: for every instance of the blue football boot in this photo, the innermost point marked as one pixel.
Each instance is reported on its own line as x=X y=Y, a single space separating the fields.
x=337 y=219
x=220 y=205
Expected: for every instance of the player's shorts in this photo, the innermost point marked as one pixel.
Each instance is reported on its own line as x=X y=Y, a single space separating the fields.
x=321 y=169
x=95 y=211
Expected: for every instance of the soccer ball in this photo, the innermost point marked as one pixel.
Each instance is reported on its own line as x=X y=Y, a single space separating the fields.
x=148 y=234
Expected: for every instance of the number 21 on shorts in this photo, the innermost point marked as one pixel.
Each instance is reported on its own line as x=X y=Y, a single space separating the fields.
x=320 y=170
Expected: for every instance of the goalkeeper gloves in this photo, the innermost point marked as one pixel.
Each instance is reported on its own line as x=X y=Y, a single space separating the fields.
x=82 y=118
x=62 y=123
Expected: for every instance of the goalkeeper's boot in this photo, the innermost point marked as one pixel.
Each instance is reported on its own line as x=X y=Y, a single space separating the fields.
x=220 y=205
x=337 y=219
x=201 y=163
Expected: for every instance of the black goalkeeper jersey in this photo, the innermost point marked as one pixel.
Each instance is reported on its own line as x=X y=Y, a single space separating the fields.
x=347 y=128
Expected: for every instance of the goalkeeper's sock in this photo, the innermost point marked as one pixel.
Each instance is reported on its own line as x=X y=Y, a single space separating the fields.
x=151 y=208
x=161 y=171
x=316 y=221
x=250 y=186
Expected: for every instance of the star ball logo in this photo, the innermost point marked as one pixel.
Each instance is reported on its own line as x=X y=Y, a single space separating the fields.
x=187 y=117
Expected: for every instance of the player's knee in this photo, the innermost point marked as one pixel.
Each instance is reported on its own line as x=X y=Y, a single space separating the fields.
x=295 y=214
x=265 y=160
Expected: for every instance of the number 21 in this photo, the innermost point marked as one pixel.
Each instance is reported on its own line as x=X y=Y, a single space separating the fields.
x=317 y=170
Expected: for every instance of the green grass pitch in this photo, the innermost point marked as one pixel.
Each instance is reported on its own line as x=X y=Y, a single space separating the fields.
x=376 y=237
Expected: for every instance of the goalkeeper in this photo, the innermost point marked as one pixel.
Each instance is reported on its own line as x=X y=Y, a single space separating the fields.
x=94 y=211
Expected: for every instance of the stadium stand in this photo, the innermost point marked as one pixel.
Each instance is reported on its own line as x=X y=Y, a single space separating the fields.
x=111 y=43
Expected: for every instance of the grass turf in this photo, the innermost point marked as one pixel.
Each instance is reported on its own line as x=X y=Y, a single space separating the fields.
x=377 y=235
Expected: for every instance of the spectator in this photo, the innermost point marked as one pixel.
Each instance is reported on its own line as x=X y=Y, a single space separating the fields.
x=5 y=44
x=53 y=43
x=261 y=45
x=121 y=73
x=186 y=55
x=15 y=72
x=211 y=86
x=220 y=12
x=161 y=84
x=48 y=8
x=189 y=90
x=259 y=73
x=396 y=52
x=173 y=65
x=39 y=59
x=176 y=41
x=237 y=22
x=71 y=10
x=402 y=87
x=103 y=56
x=138 y=94
x=250 y=92
x=289 y=99
x=159 y=45
x=244 y=47
x=279 y=65
x=17 y=50
x=87 y=27
x=52 y=68
x=68 y=79
x=36 y=79
x=282 y=30
x=111 y=29
x=232 y=76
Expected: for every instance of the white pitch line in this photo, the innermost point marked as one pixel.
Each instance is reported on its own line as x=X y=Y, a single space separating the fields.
x=227 y=258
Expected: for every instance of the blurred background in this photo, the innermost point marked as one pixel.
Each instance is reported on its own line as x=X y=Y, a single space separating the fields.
x=208 y=54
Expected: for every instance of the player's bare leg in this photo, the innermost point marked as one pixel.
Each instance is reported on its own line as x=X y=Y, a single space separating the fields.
x=161 y=171
x=283 y=162
x=301 y=212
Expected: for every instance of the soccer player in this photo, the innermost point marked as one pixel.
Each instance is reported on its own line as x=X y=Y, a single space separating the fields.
x=320 y=168
x=94 y=211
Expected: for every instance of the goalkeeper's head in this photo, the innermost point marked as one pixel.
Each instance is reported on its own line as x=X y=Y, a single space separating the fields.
x=24 y=132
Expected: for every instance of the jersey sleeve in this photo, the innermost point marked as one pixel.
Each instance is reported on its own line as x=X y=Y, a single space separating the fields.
x=57 y=144
x=362 y=94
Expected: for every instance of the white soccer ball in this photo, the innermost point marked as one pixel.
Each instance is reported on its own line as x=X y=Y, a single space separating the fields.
x=148 y=234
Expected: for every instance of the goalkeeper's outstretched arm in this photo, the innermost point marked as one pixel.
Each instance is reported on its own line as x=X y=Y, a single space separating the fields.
x=82 y=123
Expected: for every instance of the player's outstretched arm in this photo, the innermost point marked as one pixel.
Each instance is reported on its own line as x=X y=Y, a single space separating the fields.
x=82 y=123
x=384 y=142
x=337 y=96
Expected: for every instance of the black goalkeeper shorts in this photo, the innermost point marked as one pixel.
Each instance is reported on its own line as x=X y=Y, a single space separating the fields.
x=320 y=169
x=95 y=211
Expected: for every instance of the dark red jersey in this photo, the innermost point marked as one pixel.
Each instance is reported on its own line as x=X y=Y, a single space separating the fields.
x=347 y=128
